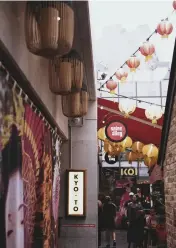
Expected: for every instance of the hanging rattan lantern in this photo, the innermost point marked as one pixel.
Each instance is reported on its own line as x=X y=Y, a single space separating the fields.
x=137 y=147
x=49 y=27
x=150 y=151
x=101 y=134
x=75 y=104
x=66 y=74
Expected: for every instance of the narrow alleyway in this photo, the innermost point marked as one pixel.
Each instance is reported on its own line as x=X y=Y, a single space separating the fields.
x=120 y=239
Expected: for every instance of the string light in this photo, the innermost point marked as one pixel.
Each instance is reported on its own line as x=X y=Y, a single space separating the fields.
x=154 y=32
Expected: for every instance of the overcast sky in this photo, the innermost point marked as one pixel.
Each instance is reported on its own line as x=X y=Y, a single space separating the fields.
x=120 y=27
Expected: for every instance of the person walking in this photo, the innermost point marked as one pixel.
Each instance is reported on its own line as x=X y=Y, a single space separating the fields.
x=109 y=215
x=136 y=222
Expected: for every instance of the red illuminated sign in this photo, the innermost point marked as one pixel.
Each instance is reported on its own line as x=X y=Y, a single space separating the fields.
x=116 y=131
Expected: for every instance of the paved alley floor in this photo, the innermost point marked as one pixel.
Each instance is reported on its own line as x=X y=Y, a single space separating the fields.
x=121 y=237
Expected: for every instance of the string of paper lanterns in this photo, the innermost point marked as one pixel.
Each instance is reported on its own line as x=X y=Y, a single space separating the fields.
x=164 y=29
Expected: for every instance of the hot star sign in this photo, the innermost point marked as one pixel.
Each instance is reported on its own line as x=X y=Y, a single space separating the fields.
x=116 y=131
x=76 y=193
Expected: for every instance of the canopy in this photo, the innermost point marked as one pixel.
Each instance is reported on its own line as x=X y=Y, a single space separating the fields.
x=138 y=126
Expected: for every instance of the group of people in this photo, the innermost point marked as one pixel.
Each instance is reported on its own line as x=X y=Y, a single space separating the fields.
x=135 y=218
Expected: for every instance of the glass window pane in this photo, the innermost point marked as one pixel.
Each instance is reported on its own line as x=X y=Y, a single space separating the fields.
x=164 y=101
x=143 y=171
x=127 y=89
x=148 y=89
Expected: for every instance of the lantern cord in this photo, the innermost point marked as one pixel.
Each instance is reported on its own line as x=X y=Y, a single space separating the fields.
x=135 y=99
x=154 y=32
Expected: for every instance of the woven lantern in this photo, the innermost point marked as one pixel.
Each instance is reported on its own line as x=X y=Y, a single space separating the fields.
x=153 y=113
x=66 y=74
x=49 y=27
x=150 y=151
x=149 y=162
x=127 y=107
x=137 y=147
x=76 y=103
x=101 y=134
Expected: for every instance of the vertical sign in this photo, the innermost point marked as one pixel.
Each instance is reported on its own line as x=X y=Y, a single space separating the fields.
x=76 y=194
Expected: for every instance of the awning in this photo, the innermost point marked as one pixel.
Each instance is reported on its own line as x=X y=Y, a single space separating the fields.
x=139 y=127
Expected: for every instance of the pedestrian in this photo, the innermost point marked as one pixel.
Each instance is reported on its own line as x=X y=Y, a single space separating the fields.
x=136 y=223
x=100 y=211
x=109 y=215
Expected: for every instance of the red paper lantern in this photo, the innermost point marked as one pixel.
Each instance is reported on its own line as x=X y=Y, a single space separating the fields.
x=147 y=49
x=133 y=62
x=164 y=28
x=174 y=5
x=121 y=75
x=111 y=85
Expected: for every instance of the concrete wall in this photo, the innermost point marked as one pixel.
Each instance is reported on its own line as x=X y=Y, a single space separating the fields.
x=84 y=156
x=35 y=68
x=170 y=182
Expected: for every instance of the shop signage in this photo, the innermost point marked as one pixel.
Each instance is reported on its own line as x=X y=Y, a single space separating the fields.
x=76 y=193
x=116 y=131
x=129 y=172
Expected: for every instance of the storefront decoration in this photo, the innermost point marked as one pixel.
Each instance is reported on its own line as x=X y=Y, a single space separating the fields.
x=127 y=142
x=101 y=134
x=111 y=85
x=164 y=28
x=147 y=49
x=76 y=103
x=116 y=131
x=66 y=74
x=150 y=151
x=49 y=27
x=133 y=63
x=127 y=108
x=76 y=193
x=121 y=75
x=154 y=113
x=149 y=162
x=137 y=147
x=131 y=156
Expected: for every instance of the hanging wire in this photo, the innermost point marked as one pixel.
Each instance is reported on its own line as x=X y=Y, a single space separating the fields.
x=16 y=86
x=147 y=39
x=135 y=99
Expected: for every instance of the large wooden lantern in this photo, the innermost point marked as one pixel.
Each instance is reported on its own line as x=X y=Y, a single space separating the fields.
x=66 y=74
x=49 y=27
x=75 y=104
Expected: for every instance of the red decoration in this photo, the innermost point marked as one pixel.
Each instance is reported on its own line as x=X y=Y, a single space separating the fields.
x=116 y=131
x=111 y=85
x=164 y=28
x=147 y=49
x=133 y=62
x=121 y=75
x=174 y=5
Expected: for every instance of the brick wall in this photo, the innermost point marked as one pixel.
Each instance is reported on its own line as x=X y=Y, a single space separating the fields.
x=170 y=181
